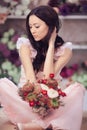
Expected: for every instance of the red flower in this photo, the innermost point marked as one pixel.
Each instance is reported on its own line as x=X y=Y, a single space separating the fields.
x=63 y=94
x=59 y=91
x=52 y=75
x=44 y=92
x=44 y=81
x=25 y=94
x=31 y=103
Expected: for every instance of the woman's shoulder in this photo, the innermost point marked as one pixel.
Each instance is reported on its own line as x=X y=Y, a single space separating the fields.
x=21 y=41
x=60 y=50
x=67 y=45
x=25 y=41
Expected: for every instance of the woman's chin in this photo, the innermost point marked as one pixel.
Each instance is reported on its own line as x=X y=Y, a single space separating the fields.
x=37 y=40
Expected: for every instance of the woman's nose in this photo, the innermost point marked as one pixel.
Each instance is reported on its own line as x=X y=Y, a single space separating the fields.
x=33 y=31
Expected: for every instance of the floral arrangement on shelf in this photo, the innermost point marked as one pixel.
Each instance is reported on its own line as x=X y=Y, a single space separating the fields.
x=70 y=7
x=76 y=73
x=81 y=74
x=15 y=7
x=9 y=58
x=43 y=96
x=23 y=7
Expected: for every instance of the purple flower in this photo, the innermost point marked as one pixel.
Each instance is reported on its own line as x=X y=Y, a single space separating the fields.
x=2 y=47
x=63 y=72
x=14 y=57
x=83 y=8
x=75 y=67
x=4 y=50
x=83 y=2
x=70 y=71
x=74 y=8
x=64 y=9
x=18 y=63
x=6 y=53
x=15 y=38
x=54 y=3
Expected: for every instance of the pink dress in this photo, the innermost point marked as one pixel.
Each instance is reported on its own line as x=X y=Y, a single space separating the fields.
x=67 y=117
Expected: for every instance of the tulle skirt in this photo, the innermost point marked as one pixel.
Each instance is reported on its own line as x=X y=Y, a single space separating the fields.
x=67 y=117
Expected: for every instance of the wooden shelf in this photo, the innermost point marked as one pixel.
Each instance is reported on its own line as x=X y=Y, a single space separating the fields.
x=80 y=47
x=73 y=17
x=60 y=16
x=16 y=17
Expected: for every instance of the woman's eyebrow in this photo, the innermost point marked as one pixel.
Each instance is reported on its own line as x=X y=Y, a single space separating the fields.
x=34 y=24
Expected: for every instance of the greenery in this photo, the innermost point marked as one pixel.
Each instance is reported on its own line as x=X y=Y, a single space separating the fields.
x=9 y=58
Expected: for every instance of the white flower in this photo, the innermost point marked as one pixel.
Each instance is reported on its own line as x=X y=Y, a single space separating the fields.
x=11 y=32
x=4 y=39
x=6 y=65
x=73 y=1
x=52 y=93
x=11 y=45
x=7 y=1
x=6 y=35
x=44 y=87
x=18 y=12
x=25 y=2
x=26 y=12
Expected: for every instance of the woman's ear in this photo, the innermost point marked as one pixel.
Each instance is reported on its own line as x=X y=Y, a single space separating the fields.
x=56 y=9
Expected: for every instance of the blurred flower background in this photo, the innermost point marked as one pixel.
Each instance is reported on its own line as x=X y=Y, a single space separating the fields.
x=70 y=7
x=9 y=58
x=23 y=7
x=75 y=72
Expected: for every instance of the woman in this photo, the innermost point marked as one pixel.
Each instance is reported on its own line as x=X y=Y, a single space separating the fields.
x=43 y=53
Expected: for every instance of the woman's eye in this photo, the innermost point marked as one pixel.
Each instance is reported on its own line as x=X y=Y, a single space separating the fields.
x=30 y=27
x=37 y=26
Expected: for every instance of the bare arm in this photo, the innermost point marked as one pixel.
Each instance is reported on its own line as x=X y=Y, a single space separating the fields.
x=49 y=65
x=27 y=63
x=62 y=60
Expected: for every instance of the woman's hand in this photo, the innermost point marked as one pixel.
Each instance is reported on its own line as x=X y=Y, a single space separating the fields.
x=53 y=37
x=49 y=64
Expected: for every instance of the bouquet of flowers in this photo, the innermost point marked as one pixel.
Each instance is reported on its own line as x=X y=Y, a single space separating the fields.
x=42 y=96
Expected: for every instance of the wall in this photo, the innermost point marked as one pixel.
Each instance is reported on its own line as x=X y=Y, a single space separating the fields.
x=75 y=30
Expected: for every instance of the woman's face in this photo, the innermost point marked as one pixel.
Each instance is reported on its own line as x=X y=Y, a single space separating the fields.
x=38 y=28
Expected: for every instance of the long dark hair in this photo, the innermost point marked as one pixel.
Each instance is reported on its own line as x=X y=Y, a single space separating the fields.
x=50 y=17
